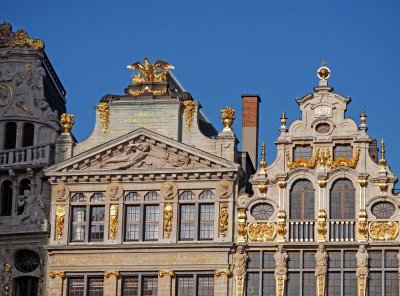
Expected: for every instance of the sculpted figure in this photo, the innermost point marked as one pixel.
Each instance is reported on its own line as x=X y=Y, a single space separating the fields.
x=33 y=208
x=240 y=262
x=134 y=157
x=280 y=261
x=321 y=258
x=362 y=261
x=36 y=80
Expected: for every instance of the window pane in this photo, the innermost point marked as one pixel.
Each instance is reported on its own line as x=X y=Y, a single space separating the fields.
x=391 y=259
x=293 y=284
x=391 y=283
x=375 y=283
x=97 y=223
x=268 y=284
x=207 y=194
x=76 y=286
x=187 y=195
x=132 y=196
x=335 y=260
x=185 y=286
x=342 y=201
x=96 y=286
x=343 y=151
x=309 y=284
x=187 y=222
x=253 y=284
x=269 y=261
x=254 y=259
x=375 y=259
x=78 y=223
x=334 y=284
x=309 y=260
x=350 y=284
x=97 y=197
x=294 y=260
x=205 y=286
x=151 y=223
x=78 y=197
x=302 y=152
x=350 y=259
x=206 y=221
x=150 y=286
x=132 y=229
x=130 y=286
x=152 y=195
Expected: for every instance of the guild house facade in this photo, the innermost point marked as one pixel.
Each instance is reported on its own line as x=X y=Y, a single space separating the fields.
x=157 y=201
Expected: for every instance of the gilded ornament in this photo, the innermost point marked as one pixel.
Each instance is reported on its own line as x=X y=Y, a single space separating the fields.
x=147 y=90
x=362 y=225
x=189 y=111
x=168 y=190
x=224 y=188
x=380 y=230
x=242 y=223
x=363 y=181
x=321 y=279
x=61 y=192
x=6 y=279
x=114 y=209
x=321 y=226
x=282 y=182
x=261 y=232
x=363 y=117
x=280 y=284
x=227 y=117
x=163 y=273
x=60 y=214
x=263 y=163
x=168 y=214
x=283 y=120
x=323 y=72
x=281 y=226
x=383 y=161
x=262 y=186
x=324 y=157
x=362 y=285
x=322 y=182
x=225 y=272
x=223 y=218
x=302 y=162
x=54 y=274
x=383 y=186
x=341 y=161
x=67 y=121
x=150 y=73
x=104 y=114
x=114 y=191
x=21 y=39
x=107 y=274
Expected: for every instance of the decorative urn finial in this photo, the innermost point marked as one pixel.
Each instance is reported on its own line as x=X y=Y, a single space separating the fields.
x=67 y=121
x=363 y=117
x=323 y=72
x=227 y=117
x=263 y=163
x=383 y=161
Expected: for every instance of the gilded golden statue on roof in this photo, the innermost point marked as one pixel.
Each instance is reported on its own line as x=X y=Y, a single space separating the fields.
x=150 y=73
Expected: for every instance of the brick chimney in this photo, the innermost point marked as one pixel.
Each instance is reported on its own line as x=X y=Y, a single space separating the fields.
x=250 y=105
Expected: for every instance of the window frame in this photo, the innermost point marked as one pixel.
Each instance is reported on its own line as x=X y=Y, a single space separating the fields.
x=302 y=201
x=342 y=153
x=343 y=198
x=195 y=276
x=86 y=277
x=297 y=155
x=140 y=276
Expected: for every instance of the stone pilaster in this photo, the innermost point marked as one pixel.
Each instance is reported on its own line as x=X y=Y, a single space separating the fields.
x=221 y=282
x=111 y=282
x=55 y=283
x=165 y=282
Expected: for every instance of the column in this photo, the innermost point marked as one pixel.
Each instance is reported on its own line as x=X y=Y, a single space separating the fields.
x=110 y=282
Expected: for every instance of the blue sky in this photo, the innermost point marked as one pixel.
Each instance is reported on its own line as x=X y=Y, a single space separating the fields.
x=222 y=49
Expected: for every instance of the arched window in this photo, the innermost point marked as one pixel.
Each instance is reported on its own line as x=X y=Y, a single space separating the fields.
x=302 y=200
x=28 y=135
x=342 y=200
x=10 y=135
x=6 y=198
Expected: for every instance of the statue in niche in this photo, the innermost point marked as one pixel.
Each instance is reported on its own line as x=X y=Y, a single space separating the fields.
x=280 y=261
x=321 y=258
x=362 y=261
x=32 y=209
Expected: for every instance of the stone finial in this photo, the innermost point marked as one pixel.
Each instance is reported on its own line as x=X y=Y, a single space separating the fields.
x=67 y=121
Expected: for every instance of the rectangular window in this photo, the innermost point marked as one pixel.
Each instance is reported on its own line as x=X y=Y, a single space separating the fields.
x=199 y=285
x=76 y=286
x=151 y=222
x=85 y=286
x=97 y=223
x=253 y=284
x=302 y=152
x=187 y=221
x=185 y=286
x=205 y=285
x=344 y=151
x=391 y=283
x=206 y=221
x=293 y=284
x=132 y=230
x=375 y=283
x=139 y=285
x=309 y=283
x=130 y=286
x=334 y=284
x=350 y=284
x=95 y=286
x=78 y=224
x=268 y=284
x=149 y=286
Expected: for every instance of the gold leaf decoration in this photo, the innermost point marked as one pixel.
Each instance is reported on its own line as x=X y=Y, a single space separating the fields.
x=261 y=232
x=387 y=230
x=104 y=114
x=189 y=110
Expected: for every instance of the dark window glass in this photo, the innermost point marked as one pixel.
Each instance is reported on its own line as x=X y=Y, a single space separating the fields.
x=254 y=260
x=391 y=283
x=149 y=286
x=26 y=261
x=6 y=198
x=96 y=286
x=375 y=283
x=344 y=151
x=269 y=260
x=334 y=283
x=132 y=228
x=342 y=201
x=187 y=221
x=350 y=260
x=78 y=224
x=309 y=260
x=268 y=284
x=294 y=260
x=150 y=196
x=383 y=210
x=375 y=259
x=185 y=286
x=350 y=284
x=205 y=285
x=302 y=200
x=132 y=196
x=293 y=284
x=335 y=260
x=151 y=222
x=26 y=286
x=309 y=284
x=207 y=194
x=304 y=152
x=25 y=184
x=262 y=211
x=97 y=223
x=10 y=136
x=28 y=135
x=78 y=197
x=253 y=284
x=391 y=259
x=76 y=286
x=206 y=222
x=130 y=286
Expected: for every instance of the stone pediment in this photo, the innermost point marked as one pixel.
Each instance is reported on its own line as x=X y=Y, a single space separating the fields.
x=141 y=151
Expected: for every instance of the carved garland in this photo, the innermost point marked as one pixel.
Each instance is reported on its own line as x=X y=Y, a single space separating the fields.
x=189 y=111
x=301 y=162
x=114 y=209
x=223 y=218
x=60 y=213
x=147 y=90
x=6 y=279
x=168 y=214
x=104 y=114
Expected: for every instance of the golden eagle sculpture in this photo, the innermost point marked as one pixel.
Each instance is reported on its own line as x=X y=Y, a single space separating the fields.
x=150 y=73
